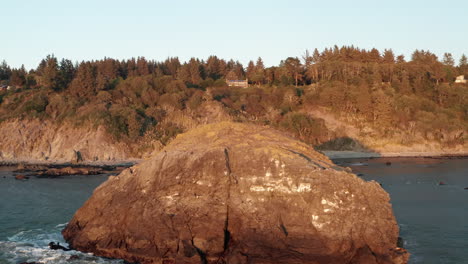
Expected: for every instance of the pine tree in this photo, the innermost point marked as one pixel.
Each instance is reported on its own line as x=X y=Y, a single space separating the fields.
x=463 y=61
x=66 y=74
x=388 y=56
x=259 y=75
x=48 y=72
x=448 y=59
x=250 y=70
x=5 y=71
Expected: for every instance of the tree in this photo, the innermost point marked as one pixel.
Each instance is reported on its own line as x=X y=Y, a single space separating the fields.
x=106 y=72
x=388 y=56
x=215 y=68
x=47 y=72
x=142 y=66
x=463 y=65
x=66 y=74
x=5 y=71
x=463 y=61
x=250 y=70
x=18 y=76
x=448 y=62
x=172 y=66
x=190 y=72
x=84 y=84
x=374 y=55
x=259 y=72
x=400 y=59
x=448 y=59
x=294 y=68
x=308 y=59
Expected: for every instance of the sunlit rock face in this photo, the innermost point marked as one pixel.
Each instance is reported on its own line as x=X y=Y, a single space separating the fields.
x=237 y=193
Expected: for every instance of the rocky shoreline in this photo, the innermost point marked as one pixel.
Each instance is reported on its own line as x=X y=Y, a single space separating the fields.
x=24 y=171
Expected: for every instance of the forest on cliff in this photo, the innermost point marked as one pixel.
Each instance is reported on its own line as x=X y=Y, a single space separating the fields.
x=330 y=98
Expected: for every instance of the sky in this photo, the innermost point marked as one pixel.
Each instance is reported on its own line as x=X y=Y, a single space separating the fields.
x=242 y=30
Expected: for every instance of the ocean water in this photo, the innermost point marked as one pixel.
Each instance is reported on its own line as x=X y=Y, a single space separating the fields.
x=433 y=218
x=33 y=213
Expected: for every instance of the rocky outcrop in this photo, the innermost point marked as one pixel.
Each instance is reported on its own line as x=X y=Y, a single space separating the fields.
x=235 y=193
x=35 y=140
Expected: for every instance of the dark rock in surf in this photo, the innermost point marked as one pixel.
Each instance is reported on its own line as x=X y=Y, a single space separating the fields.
x=73 y=257
x=21 y=177
x=236 y=193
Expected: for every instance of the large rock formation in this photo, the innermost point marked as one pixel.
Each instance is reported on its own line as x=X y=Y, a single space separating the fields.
x=235 y=193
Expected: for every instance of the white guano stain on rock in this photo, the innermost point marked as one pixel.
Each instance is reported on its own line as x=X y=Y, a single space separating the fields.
x=283 y=186
x=329 y=203
x=316 y=223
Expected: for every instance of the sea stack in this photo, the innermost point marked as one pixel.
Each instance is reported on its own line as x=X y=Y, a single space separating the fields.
x=238 y=193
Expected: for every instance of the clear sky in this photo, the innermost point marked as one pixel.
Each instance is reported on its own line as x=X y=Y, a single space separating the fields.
x=242 y=29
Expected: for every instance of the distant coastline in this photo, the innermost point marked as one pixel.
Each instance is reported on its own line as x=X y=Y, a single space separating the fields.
x=331 y=154
x=361 y=154
x=15 y=162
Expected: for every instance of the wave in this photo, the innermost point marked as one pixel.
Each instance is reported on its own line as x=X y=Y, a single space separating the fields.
x=32 y=246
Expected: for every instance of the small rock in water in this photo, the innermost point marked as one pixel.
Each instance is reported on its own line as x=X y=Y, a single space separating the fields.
x=466 y=188
x=21 y=177
x=442 y=183
x=400 y=242
x=74 y=257
x=388 y=163
x=360 y=174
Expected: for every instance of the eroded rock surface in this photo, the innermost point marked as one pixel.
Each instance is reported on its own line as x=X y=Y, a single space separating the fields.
x=236 y=193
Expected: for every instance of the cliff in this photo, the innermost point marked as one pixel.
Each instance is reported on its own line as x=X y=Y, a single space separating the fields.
x=237 y=193
x=39 y=141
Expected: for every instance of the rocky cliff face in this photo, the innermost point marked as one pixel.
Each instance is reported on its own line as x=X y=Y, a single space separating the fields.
x=35 y=140
x=236 y=193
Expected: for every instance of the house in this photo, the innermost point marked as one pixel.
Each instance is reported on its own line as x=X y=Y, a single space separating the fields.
x=238 y=83
x=461 y=79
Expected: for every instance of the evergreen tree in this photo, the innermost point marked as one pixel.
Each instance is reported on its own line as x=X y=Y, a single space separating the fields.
x=18 y=77
x=250 y=70
x=388 y=56
x=142 y=66
x=66 y=74
x=448 y=59
x=48 y=72
x=463 y=61
x=5 y=71
x=259 y=75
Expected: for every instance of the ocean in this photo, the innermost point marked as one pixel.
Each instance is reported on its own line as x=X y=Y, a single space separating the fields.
x=433 y=218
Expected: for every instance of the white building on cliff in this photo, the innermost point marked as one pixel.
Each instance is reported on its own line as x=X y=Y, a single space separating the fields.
x=460 y=79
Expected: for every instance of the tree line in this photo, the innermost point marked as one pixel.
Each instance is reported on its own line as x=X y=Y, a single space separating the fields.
x=341 y=64
x=138 y=97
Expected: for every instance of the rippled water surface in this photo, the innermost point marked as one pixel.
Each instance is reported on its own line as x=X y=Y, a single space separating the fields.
x=34 y=211
x=433 y=218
